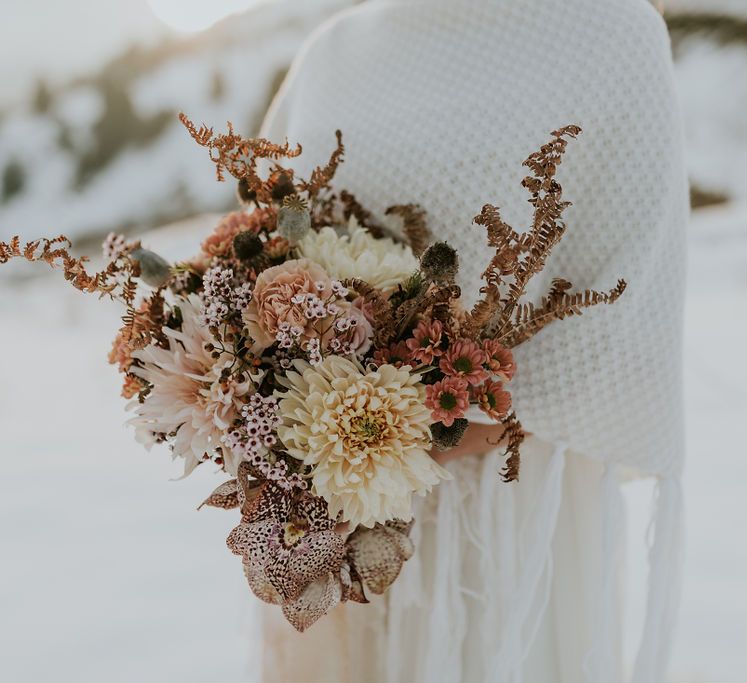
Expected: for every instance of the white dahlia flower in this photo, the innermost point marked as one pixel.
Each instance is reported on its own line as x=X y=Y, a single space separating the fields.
x=189 y=399
x=366 y=435
x=382 y=263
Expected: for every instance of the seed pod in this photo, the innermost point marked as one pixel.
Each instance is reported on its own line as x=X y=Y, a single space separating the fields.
x=247 y=246
x=445 y=438
x=283 y=188
x=245 y=193
x=440 y=263
x=294 y=219
x=154 y=270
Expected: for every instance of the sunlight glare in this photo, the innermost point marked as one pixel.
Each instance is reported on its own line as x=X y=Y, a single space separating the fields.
x=190 y=16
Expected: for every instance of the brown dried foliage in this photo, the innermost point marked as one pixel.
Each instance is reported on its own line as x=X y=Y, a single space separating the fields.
x=513 y=435
x=352 y=207
x=558 y=304
x=518 y=257
x=322 y=176
x=54 y=252
x=381 y=309
x=415 y=227
x=435 y=298
x=144 y=326
x=238 y=156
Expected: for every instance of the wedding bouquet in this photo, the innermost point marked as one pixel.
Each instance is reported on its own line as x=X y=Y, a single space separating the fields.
x=317 y=356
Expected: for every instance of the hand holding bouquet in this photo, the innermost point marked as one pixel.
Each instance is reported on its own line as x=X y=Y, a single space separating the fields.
x=317 y=360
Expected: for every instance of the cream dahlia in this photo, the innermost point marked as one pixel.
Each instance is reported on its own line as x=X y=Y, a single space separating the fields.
x=189 y=398
x=366 y=435
x=382 y=263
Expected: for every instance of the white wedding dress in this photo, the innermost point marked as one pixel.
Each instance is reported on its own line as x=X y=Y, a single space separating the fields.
x=440 y=102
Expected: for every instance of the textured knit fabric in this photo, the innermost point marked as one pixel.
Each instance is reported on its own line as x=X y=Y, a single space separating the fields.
x=439 y=103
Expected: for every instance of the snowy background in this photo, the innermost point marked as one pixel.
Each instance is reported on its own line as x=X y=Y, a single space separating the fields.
x=106 y=571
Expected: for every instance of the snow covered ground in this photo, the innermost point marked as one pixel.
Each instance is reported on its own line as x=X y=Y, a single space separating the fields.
x=109 y=573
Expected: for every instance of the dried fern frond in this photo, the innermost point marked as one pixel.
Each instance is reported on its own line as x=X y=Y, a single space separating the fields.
x=514 y=436
x=351 y=207
x=415 y=227
x=520 y=257
x=322 y=176
x=558 y=304
x=429 y=299
x=54 y=252
x=482 y=313
x=237 y=155
x=381 y=309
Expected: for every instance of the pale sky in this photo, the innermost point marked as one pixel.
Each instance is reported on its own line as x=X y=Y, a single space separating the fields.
x=63 y=38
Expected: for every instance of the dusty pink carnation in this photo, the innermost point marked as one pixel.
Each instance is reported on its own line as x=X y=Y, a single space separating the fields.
x=272 y=302
x=220 y=241
x=500 y=360
x=493 y=399
x=465 y=359
x=447 y=399
x=425 y=343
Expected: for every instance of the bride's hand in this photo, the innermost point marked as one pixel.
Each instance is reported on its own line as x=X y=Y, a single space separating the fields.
x=477 y=440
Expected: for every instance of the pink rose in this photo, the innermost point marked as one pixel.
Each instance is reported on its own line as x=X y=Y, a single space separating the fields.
x=360 y=334
x=273 y=302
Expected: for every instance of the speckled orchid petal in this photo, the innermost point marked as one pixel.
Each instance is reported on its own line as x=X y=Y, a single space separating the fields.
x=378 y=555
x=268 y=501
x=289 y=557
x=316 y=600
x=226 y=496
x=238 y=539
x=261 y=585
x=314 y=512
x=316 y=554
x=352 y=586
x=249 y=483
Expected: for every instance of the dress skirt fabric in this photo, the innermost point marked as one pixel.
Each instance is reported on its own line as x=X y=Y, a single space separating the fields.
x=451 y=614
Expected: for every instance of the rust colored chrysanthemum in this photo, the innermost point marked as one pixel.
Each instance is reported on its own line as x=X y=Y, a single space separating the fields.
x=425 y=344
x=500 y=360
x=447 y=399
x=465 y=360
x=493 y=400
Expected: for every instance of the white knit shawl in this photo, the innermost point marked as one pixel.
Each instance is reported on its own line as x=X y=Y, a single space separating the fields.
x=439 y=103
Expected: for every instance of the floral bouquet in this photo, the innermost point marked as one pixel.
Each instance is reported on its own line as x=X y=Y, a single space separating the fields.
x=318 y=361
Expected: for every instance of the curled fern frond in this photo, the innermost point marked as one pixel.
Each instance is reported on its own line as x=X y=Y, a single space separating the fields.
x=414 y=225
x=381 y=309
x=558 y=304
x=322 y=176
x=513 y=435
x=237 y=155
x=54 y=252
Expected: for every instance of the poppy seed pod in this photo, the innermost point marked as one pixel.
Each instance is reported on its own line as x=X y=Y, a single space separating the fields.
x=439 y=263
x=444 y=437
x=247 y=246
x=294 y=219
x=154 y=270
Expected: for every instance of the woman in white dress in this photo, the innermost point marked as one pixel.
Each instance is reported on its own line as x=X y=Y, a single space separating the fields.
x=440 y=101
